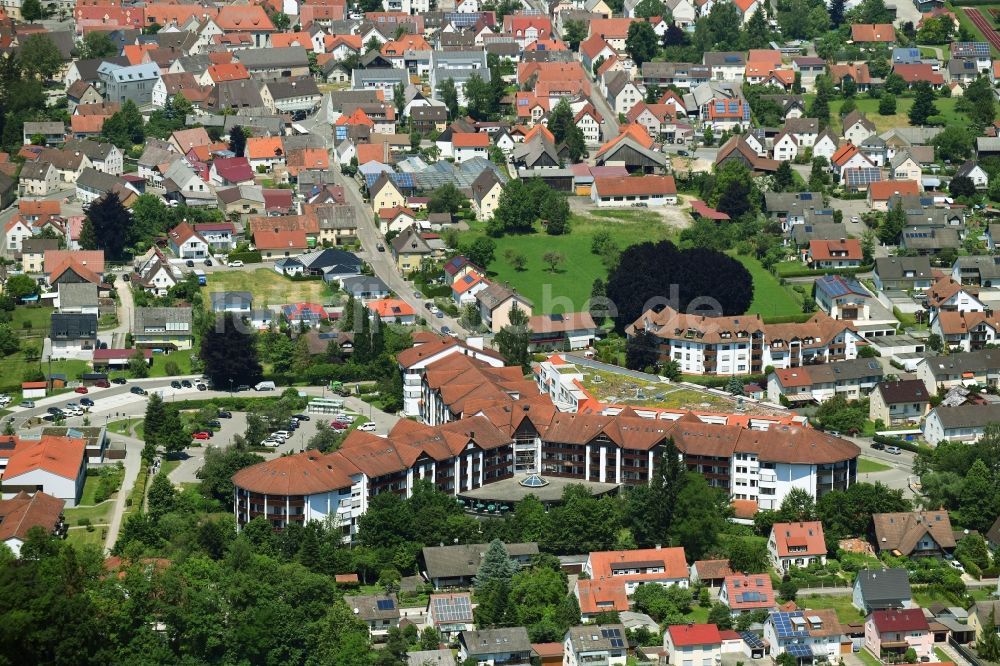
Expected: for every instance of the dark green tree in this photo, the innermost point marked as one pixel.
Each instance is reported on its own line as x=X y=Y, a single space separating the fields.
x=229 y=353
x=887 y=104
x=649 y=8
x=481 y=251
x=756 y=32
x=162 y=496
x=783 y=178
x=237 y=141
x=575 y=31
x=512 y=340
x=988 y=643
x=97 y=44
x=554 y=213
x=892 y=226
x=449 y=95
x=979 y=103
x=923 y=104
x=31 y=10
x=446 y=199
x=641 y=43
x=560 y=120
x=642 y=350
x=478 y=97
x=39 y=56
x=496 y=565
x=109 y=224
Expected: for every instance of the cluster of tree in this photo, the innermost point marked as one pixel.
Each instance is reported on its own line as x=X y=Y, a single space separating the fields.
x=163 y=428
x=229 y=352
x=125 y=128
x=522 y=203
x=963 y=478
x=842 y=415
x=512 y=340
x=22 y=95
x=534 y=597
x=652 y=275
x=565 y=130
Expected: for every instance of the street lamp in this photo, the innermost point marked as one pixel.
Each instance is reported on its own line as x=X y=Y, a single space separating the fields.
x=230 y=387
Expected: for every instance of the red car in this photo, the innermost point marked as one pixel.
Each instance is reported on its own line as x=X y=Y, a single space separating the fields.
x=82 y=389
x=102 y=383
x=201 y=435
x=337 y=425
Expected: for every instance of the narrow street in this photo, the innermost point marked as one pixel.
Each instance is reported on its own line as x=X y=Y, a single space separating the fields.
x=126 y=312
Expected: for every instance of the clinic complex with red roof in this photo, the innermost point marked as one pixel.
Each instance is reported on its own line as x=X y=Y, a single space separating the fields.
x=481 y=423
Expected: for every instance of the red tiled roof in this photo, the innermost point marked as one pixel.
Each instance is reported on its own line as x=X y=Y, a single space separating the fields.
x=638 y=186
x=62 y=456
x=672 y=560
x=808 y=535
x=909 y=619
x=23 y=511
x=876 y=32
x=391 y=307
x=683 y=635
x=596 y=596
x=280 y=240
x=470 y=140
x=759 y=585
x=884 y=190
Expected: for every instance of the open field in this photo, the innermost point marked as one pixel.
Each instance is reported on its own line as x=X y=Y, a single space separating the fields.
x=838 y=602
x=868 y=466
x=572 y=281
x=181 y=357
x=14 y=367
x=81 y=536
x=945 y=106
x=98 y=514
x=770 y=299
x=35 y=317
x=267 y=287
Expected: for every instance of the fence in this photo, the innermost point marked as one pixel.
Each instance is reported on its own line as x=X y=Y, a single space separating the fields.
x=965 y=652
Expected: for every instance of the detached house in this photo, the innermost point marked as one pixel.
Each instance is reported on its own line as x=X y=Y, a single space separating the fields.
x=690 y=644
x=806 y=635
x=892 y=632
x=914 y=533
x=796 y=544
x=743 y=593
x=880 y=589
x=380 y=613
x=186 y=243
x=162 y=328
x=595 y=644
x=486 y=191
x=900 y=401
x=843 y=253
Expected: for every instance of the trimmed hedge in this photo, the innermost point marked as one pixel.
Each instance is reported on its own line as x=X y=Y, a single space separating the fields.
x=247 y=257
x=234 y=403
x=808 y=272
x=900 y=442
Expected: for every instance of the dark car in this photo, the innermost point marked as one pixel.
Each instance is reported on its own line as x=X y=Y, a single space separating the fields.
x=86 y=402
x=138 y=390
x=225 y=414
x=242 y=387
x=186 y=383
x=380 y=247
x=175 y=384
x=878 y=445
x=208 y=262
x=301 y=417
x=189 y=263
x=683 y=153
x=445 y=330
x=429 y=304
x=54 y=410
x=119 y=380
x=102 y=383
x=214 y=423
x=293 y=425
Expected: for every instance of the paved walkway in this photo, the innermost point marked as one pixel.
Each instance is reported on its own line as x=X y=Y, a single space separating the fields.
x=133 y=464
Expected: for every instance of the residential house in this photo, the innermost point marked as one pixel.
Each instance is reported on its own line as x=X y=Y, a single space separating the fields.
x=496 y=302
x=104 y=157
x=16 y=233
x=457 y=566
x=450 y=614
x=186 y=243
x=976 y=173
x=747 y=593
x=902 y=273
x=39 y=178
x=570 y=330
x=842 y=253
x=240 y=302
x=486 y=191
x=961 y=423
x=899 y=402
x=842 y=298
x=73 y=335
x=54 y=465
x=496 y=647
x=852 y=379
x=23 y=512
x=645 y=190
x=692 y=644
x=806 y=635
x=796 y=544
x=163 y=328
x=133 y=82
x=53 y=132
x=79 y=298
x=304 y=314
x=365 y=287
x=913 y=533
x=631 y=568
x=380 y=613
x=466 y=146
x=893 y=632
x=979 y=615
x=711 y=573
x=465 y=288
x=270 y=64
x=881 y=589
x=857 y=128
x=595 y=643
x=32 y=249
x=280 y=243
x=966 y=331
x=385 y=194
x=410 y=250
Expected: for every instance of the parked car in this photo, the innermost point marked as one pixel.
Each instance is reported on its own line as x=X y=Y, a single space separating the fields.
x=86 y=402
x=283 y=434
x=28 y=404
x=119 y=380
x=264 y=386
x=204 y=434
x=894 y=450
x=956 y=565
x=54 y=410
x=186 y=383
x=138 y=390
x=242 y=387
x=273 y=443
x=82 y=389
x=301 y=417
x=215 y=423
x=175 y=384
x=236 y=264
x=878 y=446
x=380 y=247
x=102 y=383
x=338 y=425
x=367 y=427
x=202 y=386
x=683 y=153
x=225 y=414
x=208 y=262
x=189 y=263
x=445 y=330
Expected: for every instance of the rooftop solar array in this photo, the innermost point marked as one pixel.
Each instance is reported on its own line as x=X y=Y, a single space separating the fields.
x=452 y=609
x=784 y=627
x=385 y=604
x=614 y=636
x=799 y=650
x=750 y=597
x=753 y=641
x=970 y=49
x=856 y=177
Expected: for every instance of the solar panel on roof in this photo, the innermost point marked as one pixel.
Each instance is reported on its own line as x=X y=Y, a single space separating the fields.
x=452 y=609
x=798 y=650
x=385 y=604
x=806 y=196
x=753 y=641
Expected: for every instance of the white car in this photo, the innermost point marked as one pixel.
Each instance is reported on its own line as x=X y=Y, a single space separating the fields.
x=271 y=442
x=956 y=565
x=367 y=427
x=236 y=264
x=344 y=418
x=283 y=434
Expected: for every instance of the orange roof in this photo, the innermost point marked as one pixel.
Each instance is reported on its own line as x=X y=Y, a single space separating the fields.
x=280 y=240
x=358 y=117
x=92 y=259
x=884 y=189
x=844 y=153
x=687 y=635
x=744 y=5
x=229 y=71
x=547 y=45
x=911 y=73
x=264 y=147
x=610 y=28
x=390 y=307
x=602 y=564
x=394 y=212
x=87 y=124
x=799 y=535
x=542 y=130
x=39 y=207
x=244 y=18
x=372 y=152
x=470 y=140
x=76 y=267
x=306 y=158
x=632 y=131
x=638 y=186
x=135 y=52
x=405 y=43
x=875 y=32
x=601 y=595
x=62 y=456
x=285 y=39
x=467 y=282
x=822 y=250
x=330 y=42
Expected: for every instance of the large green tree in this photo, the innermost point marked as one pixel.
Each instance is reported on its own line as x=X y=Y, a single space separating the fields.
x=106 y=226
x=39 y=56
x=512 y=340
x=641 y=43
x=229 y=353
x=923 y=104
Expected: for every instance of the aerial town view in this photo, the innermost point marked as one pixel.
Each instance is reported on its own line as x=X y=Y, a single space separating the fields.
x=500 y=332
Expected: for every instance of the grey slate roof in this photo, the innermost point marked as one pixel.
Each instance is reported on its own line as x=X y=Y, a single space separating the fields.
x=36 y=170
x=77 y=294
x=591 y=638
x=956 y=364
x=365 y=606
x=495 y=294
x=291 y=56
x=968 y=416
x=464 y=560
x=895 y=268
x=884 y=585
x=68 y=326
x=39 y=245
x=223 y=299
x=494 y=641
x=96 y=181
x=156 y=319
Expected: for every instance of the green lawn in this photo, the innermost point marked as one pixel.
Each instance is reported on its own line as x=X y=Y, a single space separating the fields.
x=89 y=489
x=267 y=287
x=770 y=299
x=38 y=317
x=14 y=367
x=838 y=602
x=571 y=282
x=867 y=466
x=869 y=658
x=169 y=466
x=941 y=655
x=81 y=536
x=945 y=106
x=98 y=514
x=181 y=357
